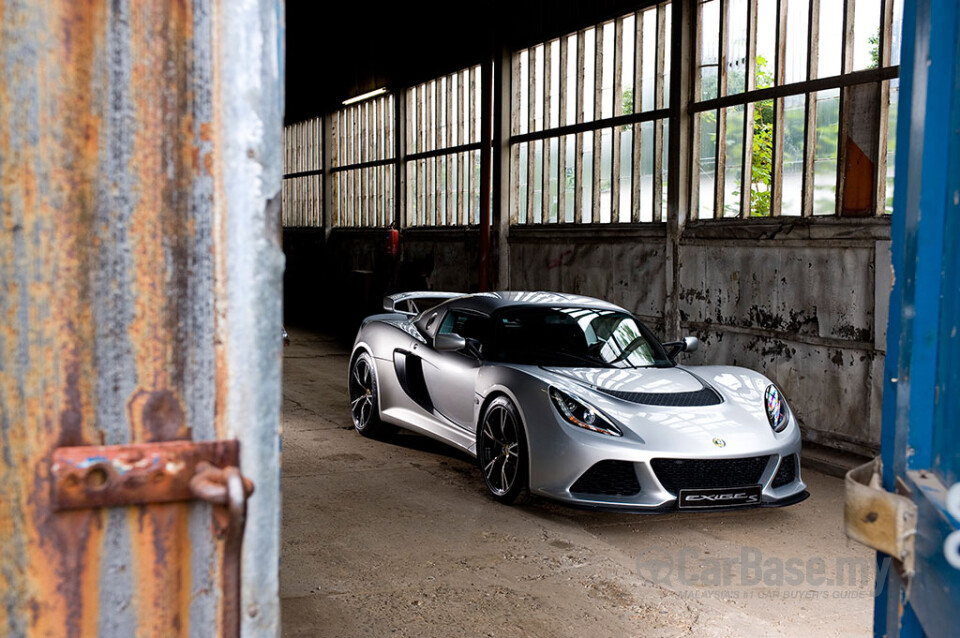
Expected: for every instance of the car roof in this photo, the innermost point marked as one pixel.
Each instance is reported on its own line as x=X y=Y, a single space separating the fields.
x=489 y=302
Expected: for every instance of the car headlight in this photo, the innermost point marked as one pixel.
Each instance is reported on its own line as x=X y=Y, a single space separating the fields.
x=777 y=410
x=581 y=414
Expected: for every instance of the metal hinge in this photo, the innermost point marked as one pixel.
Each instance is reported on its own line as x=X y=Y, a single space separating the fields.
x=885 y=521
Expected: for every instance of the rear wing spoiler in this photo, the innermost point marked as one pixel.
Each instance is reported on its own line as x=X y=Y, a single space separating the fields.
x=413 y=303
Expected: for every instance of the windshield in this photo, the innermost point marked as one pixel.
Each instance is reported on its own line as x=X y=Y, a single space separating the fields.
x=575 y=337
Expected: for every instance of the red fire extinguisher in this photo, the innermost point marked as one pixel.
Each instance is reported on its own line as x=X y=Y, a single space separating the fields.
x=393 y=241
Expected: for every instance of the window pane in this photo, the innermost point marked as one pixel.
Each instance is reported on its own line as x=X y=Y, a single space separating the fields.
x=664 y=164
x=733 y=157
x=552 y=168
x=626 y=169
x=667 y=30
x=555 y=84
x=795 y=66
x=649 y=66
x=825 y=160
x=761 y=168
x=589 y=70
x=569 y=182
x=866 y=34
x=570 y=90
x=766 y=43
x=646 y=171
x=891 y=143
x=736 y=45
x=586 y=179
x=792 y=184
x=896 y=30
x=708 y=163
x=709 y=39
x=523 y=84
x=536 y=214
x=606 y=86
x=522 y=185
x=606 y=168
x=627 y=71
x=831 y=39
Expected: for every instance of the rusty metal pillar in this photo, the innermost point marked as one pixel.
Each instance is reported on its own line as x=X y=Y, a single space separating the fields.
x=140 y=292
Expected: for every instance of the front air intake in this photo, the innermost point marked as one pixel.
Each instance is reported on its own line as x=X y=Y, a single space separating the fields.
x=609 y=478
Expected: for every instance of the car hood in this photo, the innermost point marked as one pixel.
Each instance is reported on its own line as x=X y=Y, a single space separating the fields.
x=681 y=408
x=633 y=380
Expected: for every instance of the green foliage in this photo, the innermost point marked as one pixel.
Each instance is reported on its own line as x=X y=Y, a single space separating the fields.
x=627 y=101
x=761 y=170
x=874 y=41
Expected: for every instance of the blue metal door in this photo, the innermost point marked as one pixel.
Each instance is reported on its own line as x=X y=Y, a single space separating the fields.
x=921 y=411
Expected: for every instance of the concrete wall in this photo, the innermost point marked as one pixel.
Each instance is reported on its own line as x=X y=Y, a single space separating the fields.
x=804 y=301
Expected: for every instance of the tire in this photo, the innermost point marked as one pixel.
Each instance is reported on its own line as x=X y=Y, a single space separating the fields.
x=502 y=452
x=365 y=398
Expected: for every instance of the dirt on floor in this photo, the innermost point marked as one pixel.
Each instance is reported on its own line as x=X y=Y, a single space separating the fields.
x=399 y=538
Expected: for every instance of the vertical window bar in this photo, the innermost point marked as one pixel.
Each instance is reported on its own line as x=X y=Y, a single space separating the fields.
x=515 y=151
x=578 y=152
x=658 y=124
x=531 y=126
x=746 y=166
x=810 y=112
x=465 y=163
x=451 y=215
x=846 y=65
x=779 y=77
x=886 y=33
x=636 y=180
x=597 y=114
x=473 y=137
x=694 y=202
x=721 y=116
x=561 y=145
x=547 y=104
x=617 y=110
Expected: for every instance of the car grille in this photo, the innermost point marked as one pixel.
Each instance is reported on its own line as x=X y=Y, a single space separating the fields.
x=609 y=478
x=787 y=472
x=703 y=397
x=681 y=474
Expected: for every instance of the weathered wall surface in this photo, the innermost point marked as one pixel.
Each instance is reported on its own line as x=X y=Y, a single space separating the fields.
x=626 y=267
x=802 y=301
x=800 y=304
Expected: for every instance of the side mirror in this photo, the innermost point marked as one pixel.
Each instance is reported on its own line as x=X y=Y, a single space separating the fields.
x=388 y=304
x=449 y=342
x=689 y=344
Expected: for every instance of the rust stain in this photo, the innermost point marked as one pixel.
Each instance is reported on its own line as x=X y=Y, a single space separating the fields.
x=52 y=152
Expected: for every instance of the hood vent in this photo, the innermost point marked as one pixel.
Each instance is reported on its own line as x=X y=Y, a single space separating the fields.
x=703 y=397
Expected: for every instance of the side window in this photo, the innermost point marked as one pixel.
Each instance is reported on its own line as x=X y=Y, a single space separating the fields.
x=466 y=325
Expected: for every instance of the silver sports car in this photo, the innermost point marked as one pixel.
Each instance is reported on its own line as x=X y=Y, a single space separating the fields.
x=574 y=399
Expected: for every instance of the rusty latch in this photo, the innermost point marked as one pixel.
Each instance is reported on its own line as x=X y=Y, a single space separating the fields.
x=138 y=474
x=879 y=519
x=117 y=475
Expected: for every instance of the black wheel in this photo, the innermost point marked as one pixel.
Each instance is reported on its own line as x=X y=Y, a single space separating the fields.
x=364 y=398
x=502 y=451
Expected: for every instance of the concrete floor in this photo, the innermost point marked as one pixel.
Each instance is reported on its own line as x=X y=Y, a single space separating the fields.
x=399 y=538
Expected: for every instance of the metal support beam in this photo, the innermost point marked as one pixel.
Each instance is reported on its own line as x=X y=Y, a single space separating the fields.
x=502 y=63
x=486 y=130
x=680 y=156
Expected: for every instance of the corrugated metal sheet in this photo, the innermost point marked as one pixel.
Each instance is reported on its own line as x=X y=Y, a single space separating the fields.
x=139 y=270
